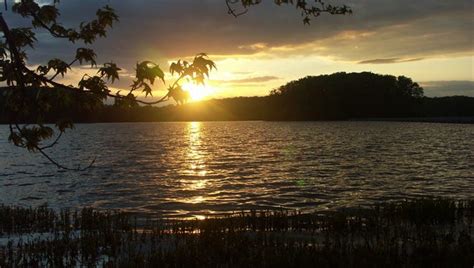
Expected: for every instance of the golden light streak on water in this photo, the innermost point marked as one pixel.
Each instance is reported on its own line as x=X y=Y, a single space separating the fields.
x=196 y=163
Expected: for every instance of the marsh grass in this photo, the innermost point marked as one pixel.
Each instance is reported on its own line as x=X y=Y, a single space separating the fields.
x=422 y=232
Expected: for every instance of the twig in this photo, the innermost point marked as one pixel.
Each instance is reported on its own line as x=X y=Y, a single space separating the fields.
x=54 y=142
x=69 y=65
x=20 y=67
x=232 y=11
x=49 y=29
x=77 y=90
x=51 y=159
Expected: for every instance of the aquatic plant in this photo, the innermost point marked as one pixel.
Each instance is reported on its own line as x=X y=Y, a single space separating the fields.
x=422 y=232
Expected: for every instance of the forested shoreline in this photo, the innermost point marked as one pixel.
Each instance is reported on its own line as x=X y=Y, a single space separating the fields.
x=339 y=96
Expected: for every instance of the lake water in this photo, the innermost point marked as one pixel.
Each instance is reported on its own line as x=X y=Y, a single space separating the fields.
x=195 y=169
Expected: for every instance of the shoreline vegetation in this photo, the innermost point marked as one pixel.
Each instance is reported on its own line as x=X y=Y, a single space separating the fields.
x=335 y=97
x=427 y=232
x=443 y=119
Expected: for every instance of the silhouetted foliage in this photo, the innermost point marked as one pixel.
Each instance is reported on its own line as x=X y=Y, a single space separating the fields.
x=309 y=8
x=33 y=94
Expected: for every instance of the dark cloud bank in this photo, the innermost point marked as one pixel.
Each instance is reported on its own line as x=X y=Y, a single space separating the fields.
x=168 y=28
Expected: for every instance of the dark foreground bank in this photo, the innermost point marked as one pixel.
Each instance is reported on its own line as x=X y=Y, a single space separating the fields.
x=426 y=232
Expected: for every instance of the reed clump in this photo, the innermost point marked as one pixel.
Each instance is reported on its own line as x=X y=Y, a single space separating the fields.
x=422 y=232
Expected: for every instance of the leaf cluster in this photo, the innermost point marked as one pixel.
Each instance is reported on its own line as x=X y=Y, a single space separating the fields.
x=33 y=93
x=146 y=72
x=46 y=17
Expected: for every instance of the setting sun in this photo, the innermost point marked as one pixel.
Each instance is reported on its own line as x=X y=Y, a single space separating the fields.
x=198 y=92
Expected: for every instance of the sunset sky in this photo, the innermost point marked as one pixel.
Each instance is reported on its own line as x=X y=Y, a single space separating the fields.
x=428 y=40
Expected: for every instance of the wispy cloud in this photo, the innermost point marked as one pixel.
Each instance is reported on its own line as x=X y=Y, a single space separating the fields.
x=258 y=79
x=388 y=61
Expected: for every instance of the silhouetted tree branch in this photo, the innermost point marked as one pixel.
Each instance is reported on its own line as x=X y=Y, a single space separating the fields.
x=18 y=77
x=232 y=11
x=309 y=8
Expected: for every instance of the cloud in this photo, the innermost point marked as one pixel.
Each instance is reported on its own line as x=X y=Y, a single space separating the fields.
x=258 y=79
x=170 y=29
x=448 y=88
x=254 y=47
x=388 y=61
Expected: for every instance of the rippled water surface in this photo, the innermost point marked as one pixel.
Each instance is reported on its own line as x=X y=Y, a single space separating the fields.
x=194 y=169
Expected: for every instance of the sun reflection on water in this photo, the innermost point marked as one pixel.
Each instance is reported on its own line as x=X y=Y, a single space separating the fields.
x=200 y=217
x=195 y=157
x=197 y=184
x=195 y=164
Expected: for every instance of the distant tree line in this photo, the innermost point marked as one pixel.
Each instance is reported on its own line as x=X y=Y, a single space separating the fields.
x=343 y=95
x=338 y=96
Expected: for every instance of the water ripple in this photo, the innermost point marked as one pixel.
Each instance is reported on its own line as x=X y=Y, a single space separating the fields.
x=189 y=169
